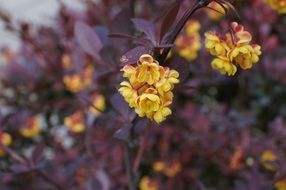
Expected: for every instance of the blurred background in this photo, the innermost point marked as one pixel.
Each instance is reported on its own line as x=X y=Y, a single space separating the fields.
x=65 y=126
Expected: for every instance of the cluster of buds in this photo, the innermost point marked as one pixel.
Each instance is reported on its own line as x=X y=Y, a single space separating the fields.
x=32 y=128
x=75 y=122
x=78 y=82
x=189 y=43
x=170 y=170
x=232 y=50
x=215 y=11
x=5 y=139
x=267 y=159
x=147 y=183
x=278 y=5
x=149 y=90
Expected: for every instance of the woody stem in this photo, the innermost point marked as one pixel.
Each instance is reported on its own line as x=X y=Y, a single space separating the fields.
x=180 y=25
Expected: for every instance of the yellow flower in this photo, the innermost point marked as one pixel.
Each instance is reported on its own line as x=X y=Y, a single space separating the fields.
x=129 y=93
x=215 y=15
x=188 y=44
x=98 y=104
x=148 y=102
x=215 y=45
x=224 y=66
x=281 y=184
x=32 y=128
x=159 y=166
x=148 y=184
x=5 y=139
x=148 y=72
x=130 y=72
x=75 y=122
x=66 y=61
x=278 y=5
x=232 y=50
x=267 y=158
x=167 y=82
x=149 y=89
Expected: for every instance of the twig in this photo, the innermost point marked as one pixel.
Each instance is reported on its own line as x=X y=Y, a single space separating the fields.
x=180 y=25
x=139 y=155
x=129 y=171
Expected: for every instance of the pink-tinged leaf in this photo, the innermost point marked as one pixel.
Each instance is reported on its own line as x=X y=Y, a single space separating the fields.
x=133 y=55
x=147 y=27
x=88 y=40
x=169 y=19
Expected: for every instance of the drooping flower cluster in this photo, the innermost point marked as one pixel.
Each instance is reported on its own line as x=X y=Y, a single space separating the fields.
x=149 y=89
x=232 y=50
x=5 y=139
x=31 y=128
x=278 y=5
x=188 y=44
x=77 y=82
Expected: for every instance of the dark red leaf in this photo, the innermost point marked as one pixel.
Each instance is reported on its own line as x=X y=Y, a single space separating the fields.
x=181 y=65
x=147 y=27
x=88 y=40
x=169 y=19
x=37 y=152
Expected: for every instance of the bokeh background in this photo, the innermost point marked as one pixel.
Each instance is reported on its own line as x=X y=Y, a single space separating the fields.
x=63 y=125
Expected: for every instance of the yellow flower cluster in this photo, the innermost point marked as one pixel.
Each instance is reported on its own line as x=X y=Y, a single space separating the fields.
x=232 y=50
x=148 y=184
x=278 y=5
x=281 y=184
x=78 y=82
x=215 y=15
x=31 y=128
x=75 y=122
x=169 y=170
x=149 y=90
x=188 y=44
x=6 y=140
x=98 y=104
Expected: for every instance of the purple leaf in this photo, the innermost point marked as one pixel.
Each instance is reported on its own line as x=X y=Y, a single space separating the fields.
x=88 y=40
x=147 y=27
x=123 y=133
x=133 y=55
x=120 y=105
